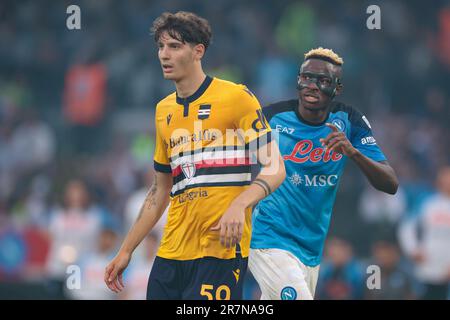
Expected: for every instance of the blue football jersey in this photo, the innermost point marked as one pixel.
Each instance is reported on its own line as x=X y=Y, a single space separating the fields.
x=296 y=216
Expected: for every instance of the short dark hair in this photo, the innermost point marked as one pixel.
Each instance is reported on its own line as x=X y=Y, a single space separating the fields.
x=183 y=26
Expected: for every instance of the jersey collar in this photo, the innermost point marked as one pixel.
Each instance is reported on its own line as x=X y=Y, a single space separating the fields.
x=197 y=93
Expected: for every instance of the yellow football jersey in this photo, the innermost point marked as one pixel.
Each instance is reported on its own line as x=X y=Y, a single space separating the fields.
x=204 y=142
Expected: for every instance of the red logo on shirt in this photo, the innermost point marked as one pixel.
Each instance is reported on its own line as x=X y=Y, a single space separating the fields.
x=303 y=151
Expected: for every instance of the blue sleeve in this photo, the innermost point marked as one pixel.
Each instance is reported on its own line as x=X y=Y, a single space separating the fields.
x=362 y=138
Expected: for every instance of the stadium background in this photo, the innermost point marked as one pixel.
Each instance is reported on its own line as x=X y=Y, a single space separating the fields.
x=77 y=130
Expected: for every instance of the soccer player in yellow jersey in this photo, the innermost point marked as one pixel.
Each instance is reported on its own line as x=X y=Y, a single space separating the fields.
x=208 y=133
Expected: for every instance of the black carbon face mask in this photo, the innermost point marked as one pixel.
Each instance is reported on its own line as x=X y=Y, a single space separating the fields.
x=325 y=82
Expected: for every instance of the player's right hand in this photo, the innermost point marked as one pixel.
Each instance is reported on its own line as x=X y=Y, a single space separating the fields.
x=231 y=225
x=114 y=271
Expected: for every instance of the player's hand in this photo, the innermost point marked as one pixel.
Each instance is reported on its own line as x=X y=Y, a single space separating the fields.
x=418 y=256
x=337 y=141
x=231 y=225
x=114 y=271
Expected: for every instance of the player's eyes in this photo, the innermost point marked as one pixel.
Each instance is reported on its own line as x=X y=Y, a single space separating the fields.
x=305 y=77
x=325 y=81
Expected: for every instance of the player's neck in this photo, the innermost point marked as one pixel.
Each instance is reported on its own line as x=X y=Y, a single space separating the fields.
x=189 y=85
x=313 y=116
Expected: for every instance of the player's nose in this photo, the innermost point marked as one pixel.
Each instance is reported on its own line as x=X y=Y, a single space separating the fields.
x=163 y=53
x=312 y=85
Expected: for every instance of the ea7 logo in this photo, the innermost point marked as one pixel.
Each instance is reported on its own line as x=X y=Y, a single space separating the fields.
x=280 y=128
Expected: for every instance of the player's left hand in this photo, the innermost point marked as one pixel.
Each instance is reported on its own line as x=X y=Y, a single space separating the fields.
x=231 y=225
x=337 y=141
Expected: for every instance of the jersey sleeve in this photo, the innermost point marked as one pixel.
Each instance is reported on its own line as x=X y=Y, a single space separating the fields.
x=362 y=138
x=250 y=120
x=161 y=161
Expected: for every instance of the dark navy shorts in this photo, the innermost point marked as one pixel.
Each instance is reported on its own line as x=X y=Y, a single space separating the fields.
x=206 y=278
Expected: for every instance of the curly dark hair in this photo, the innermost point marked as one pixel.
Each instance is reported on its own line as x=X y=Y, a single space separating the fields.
x=183 y=26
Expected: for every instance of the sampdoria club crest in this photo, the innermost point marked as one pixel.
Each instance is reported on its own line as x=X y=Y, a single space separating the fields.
x=188 y=169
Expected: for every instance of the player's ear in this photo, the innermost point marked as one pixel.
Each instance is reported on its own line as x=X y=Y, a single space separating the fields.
x=339 y=89
x=199 y=51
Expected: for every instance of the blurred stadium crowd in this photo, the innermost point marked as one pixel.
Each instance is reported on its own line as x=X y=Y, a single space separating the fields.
x=77 y=130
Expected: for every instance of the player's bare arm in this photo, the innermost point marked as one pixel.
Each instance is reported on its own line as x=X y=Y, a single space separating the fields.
x=270 y=178
x=151 y=211
x=380 y=174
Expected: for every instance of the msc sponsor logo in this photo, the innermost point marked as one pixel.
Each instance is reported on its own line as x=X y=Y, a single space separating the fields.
x=316 y=180
x=189 y=196
x=370 y=141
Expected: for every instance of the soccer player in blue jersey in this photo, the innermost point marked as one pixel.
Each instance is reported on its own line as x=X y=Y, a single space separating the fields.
x=316 y=136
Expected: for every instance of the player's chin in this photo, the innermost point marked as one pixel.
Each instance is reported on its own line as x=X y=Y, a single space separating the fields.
x=317 y=105
x=169 y=76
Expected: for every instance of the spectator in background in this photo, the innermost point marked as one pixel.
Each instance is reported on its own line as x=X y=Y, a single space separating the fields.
x=380 y=212
x=341 y=276
x=382 y=208
x=443 y=36
x=426 y=239
x=137 y=275
x=73 y=230
x=84 y=104
x=34 y=138
x=92 y=267
x=405 y=90
x=395 y=282
x=134 y=204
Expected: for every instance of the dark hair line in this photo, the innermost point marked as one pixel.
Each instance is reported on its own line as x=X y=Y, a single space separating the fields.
x=183 y=26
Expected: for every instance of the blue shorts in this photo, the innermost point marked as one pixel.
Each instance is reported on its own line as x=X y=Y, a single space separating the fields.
x=206 y=278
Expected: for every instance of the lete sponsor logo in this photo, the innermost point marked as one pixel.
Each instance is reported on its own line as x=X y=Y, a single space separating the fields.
x=303 y=151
